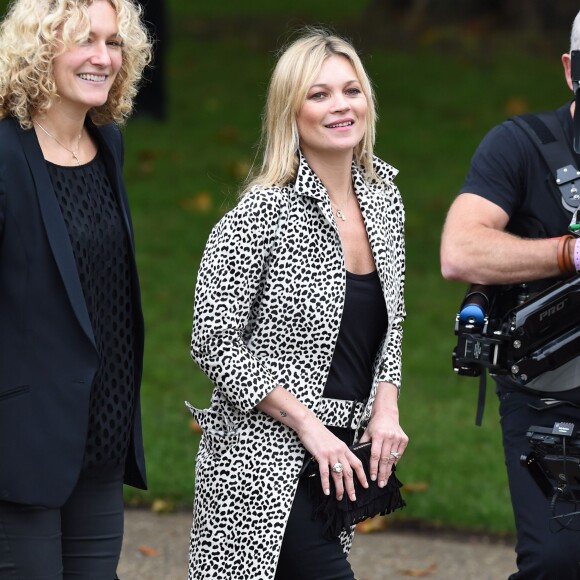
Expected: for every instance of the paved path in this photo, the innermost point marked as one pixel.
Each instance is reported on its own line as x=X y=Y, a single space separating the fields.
x=155 y=548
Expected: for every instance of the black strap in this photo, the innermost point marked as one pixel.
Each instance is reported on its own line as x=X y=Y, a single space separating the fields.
x=576 y=122
x=546 y=133
x=481 y=398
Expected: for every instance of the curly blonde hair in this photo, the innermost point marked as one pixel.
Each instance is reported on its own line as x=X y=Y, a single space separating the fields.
x=34 y=32
x=298 y=66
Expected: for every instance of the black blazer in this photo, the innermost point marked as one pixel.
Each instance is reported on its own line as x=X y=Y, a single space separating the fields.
x=48 y=356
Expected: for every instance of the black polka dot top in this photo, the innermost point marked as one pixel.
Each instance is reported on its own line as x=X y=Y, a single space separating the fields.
x=101 y=249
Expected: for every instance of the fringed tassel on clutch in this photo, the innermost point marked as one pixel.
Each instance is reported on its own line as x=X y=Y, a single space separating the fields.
x=370 y=502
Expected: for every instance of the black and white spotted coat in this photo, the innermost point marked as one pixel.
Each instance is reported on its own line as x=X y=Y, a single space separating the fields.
x=268 y=305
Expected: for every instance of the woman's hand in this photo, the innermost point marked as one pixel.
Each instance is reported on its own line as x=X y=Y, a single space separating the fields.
x=322 y=444
x=329 y=451
x=388 y=440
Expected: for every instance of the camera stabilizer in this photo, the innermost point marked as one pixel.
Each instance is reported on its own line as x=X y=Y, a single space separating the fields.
x=554 y=460
x=507 y=332
x=554 y=463
x=510 y=333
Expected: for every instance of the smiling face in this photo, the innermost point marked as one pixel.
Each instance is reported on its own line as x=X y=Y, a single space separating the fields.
x=333 y=117
x=85 y=72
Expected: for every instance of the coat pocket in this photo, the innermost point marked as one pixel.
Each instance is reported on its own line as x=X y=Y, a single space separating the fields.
x=219 y=433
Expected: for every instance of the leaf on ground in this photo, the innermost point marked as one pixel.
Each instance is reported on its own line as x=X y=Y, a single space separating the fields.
x=240 y=168
x=195 y=427
x=162 y=506
x=146 y=159
x=229 y=134
x=148 y=551
x=376 y=524
x=201 y=202
x=420 y=572
x=415 y=487
x=516 y=106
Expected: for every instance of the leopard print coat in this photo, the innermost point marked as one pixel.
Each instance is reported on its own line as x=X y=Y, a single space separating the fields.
x=268 y=306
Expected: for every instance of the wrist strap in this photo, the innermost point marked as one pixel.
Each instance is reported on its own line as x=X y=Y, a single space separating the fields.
x=577 y=254
x=565 y=263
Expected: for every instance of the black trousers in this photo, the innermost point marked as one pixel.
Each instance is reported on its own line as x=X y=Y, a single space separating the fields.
x=545 y=549
x=80 y=541
x=305 y=553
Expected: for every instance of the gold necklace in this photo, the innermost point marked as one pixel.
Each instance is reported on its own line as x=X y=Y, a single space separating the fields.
x=339 y=213
x=75 y=154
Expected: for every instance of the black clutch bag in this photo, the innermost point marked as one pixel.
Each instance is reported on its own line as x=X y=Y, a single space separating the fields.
x=371 y=501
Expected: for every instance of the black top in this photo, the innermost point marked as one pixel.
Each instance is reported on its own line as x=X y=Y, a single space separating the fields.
x=362 y=328
x=102 y=254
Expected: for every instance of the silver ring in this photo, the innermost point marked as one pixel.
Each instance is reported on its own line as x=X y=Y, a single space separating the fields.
x=337 y=468
x=395 y=454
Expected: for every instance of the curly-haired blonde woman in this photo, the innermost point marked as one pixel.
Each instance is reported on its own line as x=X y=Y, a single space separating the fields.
x=71 y=327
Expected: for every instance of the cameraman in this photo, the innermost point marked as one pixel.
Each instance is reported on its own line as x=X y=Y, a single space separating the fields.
x=504 y=228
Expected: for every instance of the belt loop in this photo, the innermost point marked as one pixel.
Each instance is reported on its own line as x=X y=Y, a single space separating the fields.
x=363 y=406
x=351 y=414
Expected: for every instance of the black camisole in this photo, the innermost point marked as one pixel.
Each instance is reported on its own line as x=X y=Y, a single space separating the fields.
x=362 y=328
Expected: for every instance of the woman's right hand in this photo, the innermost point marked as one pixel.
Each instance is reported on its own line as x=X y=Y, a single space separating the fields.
x=322 y=444
x=328 y=451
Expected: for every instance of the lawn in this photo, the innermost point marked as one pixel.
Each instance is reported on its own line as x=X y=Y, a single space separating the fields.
x=436 y=100
x=435 y=105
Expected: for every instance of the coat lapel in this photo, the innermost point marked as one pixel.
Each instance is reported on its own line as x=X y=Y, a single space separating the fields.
x=374 y=205
x=308 y=184
x=56 y=231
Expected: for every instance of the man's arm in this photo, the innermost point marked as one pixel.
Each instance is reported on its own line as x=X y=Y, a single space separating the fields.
x=475 y=248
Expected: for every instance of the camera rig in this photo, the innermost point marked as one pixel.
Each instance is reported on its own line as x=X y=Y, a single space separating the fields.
x=554 y=460
x=554 y=464
x=509 y=331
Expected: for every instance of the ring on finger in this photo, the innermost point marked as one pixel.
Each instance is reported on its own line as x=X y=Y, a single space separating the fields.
x=395 y=455
x=337 y=467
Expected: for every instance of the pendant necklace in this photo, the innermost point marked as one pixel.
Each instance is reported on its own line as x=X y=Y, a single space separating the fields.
x=75 y=154
x=339 y=213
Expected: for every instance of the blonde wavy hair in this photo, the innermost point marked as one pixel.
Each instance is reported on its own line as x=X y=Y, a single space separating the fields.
x=296 y=70
x=34 y=32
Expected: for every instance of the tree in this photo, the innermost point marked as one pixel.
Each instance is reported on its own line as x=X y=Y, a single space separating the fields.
x=529 y=16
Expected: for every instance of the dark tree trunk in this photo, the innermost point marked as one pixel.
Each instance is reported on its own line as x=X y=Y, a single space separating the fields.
x=527 y=16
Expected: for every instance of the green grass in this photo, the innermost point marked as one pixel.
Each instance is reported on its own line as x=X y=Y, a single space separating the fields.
x=434 y=108
x=434 y=105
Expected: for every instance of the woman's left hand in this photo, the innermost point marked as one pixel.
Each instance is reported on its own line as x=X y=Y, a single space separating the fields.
x=388 y=439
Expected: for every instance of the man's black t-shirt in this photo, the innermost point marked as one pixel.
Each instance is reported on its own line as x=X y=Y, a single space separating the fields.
x=508 y=170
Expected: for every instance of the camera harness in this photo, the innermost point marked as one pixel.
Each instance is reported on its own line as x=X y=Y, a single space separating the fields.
x=546 y=133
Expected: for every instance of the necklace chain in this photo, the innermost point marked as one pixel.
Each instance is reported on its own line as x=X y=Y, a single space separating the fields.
x=339 y=213
x=75 y=154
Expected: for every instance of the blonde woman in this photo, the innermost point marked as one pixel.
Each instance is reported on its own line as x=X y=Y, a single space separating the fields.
x=297 y=321
x=71 y=327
